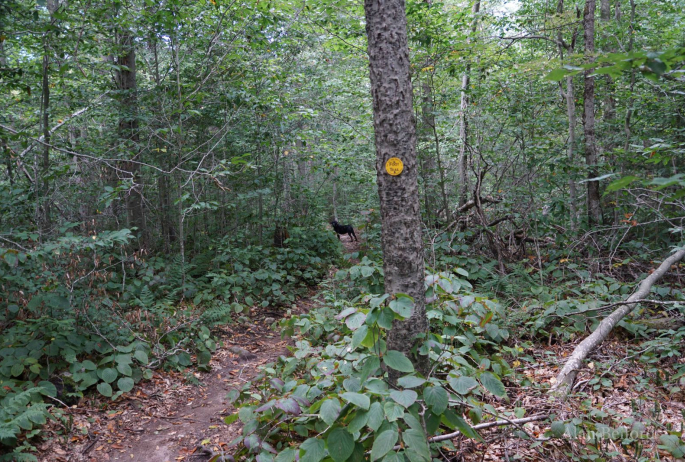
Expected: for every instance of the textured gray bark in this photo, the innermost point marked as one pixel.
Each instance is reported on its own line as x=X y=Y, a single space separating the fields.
x=605 y=9
x=567 y=375
x=128 y=131
x=395 y=135
x=594 y=211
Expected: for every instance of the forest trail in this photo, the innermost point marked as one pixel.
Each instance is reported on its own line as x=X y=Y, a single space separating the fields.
x=165 y=419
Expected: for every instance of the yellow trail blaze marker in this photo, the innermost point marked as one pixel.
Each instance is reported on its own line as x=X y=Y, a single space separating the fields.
x=394 y=166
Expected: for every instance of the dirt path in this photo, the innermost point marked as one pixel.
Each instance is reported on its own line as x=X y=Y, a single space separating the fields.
x=166 y=418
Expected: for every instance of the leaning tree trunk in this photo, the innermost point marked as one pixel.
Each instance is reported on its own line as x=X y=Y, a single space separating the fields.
x=594 y=212
x=564 y=381
x=395 y=134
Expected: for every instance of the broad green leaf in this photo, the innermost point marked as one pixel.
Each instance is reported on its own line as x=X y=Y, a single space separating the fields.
x=357 y=399
x=109 y=375
x=493 y=384
x=558 y=428
x=557 y=75
x=355 y=321
x=49 y=388
x=89 y=365
x=417 y=442
x=403 y=306
x=620 y=184
x=376 y=416
x=314 y=450
x=340 y=444
x=17 y=370
x=142 y=357
x=393 y=411
x=352 y=384
x=358 y=422
x=330 y=409
x=397 y=360
x=455 y=421
x=463 y=385
x=359 y=336
x=105 y=389
x=404 y=397
x=437 y=398
x=125 y=384
x=383 y=444
x=410 y=381
x=228 y=420
x=371 y=365
x=286 y=455
x=125 y=369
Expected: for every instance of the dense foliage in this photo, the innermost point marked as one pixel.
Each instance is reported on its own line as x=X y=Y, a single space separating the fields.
x=170 y=166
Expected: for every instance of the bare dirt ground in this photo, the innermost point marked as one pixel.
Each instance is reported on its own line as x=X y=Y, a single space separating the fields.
x=167 y=418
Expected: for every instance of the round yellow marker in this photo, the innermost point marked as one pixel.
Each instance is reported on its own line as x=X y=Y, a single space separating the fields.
x=394 y=166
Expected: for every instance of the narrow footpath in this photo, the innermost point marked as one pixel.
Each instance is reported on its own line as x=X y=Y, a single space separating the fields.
x=169 y=417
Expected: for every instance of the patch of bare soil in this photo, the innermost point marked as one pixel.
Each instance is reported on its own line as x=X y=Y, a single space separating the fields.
x=166 y=418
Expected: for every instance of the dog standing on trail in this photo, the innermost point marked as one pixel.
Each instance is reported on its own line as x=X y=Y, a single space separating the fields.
x=344 y=229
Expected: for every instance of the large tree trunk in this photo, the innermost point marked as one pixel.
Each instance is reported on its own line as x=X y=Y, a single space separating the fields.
x=128 y=131
x=395 y=135
x=564 y=381
x=594 y=211
x=463 y=121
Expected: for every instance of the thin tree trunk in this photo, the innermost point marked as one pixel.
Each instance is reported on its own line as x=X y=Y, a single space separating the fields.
x=609 y=114
x=566 y=377
x=629 y=110
x=45 y=218
x=594 y=211
x=569 y=95
x=605 y=10
x=395 y=136
x=463 y=122
x=571 y=111
x=335 y=194
x=3 y=140
x=128 y=132
x=426 y=160
x=429 y=118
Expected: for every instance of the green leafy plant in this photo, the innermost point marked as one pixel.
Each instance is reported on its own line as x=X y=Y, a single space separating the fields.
x=332 y=398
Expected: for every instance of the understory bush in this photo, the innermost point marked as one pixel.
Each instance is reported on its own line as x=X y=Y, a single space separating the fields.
x=84 y=313
x=331 y=398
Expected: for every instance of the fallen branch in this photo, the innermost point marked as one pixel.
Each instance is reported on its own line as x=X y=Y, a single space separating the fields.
x=496 y=423
x=472 y=203
x=564 y=380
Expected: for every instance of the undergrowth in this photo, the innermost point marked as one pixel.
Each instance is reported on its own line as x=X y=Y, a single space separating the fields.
x=83 y=314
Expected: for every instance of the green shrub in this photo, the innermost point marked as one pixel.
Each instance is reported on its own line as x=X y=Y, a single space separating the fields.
x=331 y=398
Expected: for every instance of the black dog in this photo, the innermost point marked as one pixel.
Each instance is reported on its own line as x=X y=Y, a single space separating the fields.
x=344 y=229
